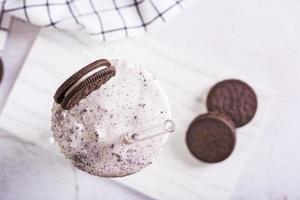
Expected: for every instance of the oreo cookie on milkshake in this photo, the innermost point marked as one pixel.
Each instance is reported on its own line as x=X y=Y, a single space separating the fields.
x=111 y=118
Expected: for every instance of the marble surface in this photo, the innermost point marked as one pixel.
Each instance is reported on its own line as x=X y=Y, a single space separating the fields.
x=29 y=171
x=262 y=38
x=31 y=99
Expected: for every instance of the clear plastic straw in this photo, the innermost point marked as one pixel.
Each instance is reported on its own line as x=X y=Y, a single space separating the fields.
x=165 y=128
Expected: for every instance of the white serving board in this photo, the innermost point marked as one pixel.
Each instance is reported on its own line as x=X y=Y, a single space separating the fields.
x=176 y=175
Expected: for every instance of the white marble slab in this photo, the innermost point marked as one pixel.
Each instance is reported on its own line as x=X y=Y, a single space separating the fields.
x=176 y=174
x=16 y=50
x=29 y=171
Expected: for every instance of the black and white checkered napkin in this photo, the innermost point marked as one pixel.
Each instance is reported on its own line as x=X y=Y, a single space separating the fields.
x=102 y=19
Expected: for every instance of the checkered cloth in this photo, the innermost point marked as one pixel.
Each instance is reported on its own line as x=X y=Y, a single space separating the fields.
x=101 y=19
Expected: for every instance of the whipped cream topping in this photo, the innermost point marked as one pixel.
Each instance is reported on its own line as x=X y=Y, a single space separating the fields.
x=91 y=134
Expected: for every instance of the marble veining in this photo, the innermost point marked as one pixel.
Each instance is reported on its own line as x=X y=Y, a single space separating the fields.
x=185 y=83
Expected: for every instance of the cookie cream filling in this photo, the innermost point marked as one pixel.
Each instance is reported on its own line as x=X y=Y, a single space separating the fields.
x=89 y=74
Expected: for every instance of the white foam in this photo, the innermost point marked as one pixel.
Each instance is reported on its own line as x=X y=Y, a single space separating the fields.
x=130 y=101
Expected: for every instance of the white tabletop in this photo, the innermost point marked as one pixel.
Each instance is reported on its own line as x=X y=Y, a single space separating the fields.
x=263 y=36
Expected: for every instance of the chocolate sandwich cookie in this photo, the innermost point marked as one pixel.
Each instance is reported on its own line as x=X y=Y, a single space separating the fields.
x=235 y=99
x=211 y=137
x=84 y=82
